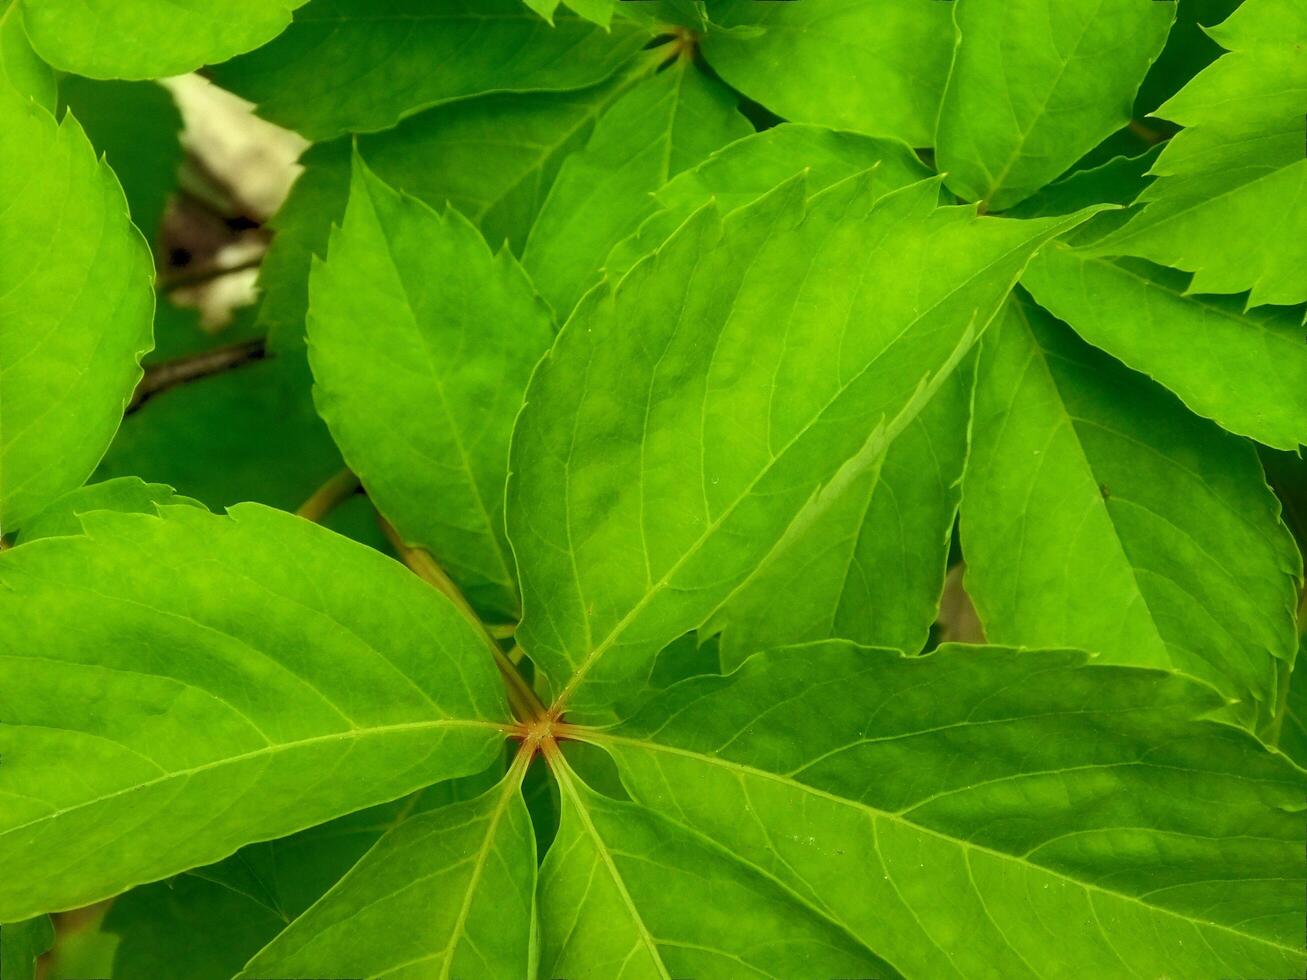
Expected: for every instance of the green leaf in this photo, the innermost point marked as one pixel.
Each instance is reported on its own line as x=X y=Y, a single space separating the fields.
x=685 y=416
x=138 y=39
x=987 y=798
x=626 y=892
x=342 y=67
x=1245 y=369
x=422 y=403
x=1119 y=180
x=75 y=307
x=1225 y=205
x=214 y=919
x=126 y=495
x=748 y=168
x=264 y=675
x=290 y=874
x=448 y=893
x=20 y=68
x=1188 y=51
x=205 y=928
x=876 y=68
x=21 y=943
x=865 y=561
x=1098 y=513
x=925 y=460
x=493 y=158
x=245 y=434
x=1035 y=85
x=135 y=126
x=661 y=127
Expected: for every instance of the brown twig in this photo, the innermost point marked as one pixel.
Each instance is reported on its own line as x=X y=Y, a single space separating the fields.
x=169 y=374
x=198 y=277
x=526 y=705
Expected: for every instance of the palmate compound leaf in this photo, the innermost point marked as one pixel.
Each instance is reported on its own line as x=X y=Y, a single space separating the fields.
x=234 y=679
x=422 y=403
x=1228 y=202
x=874 y=68
x=75 y=307
x=978 y=811
x=1246 y=369
x=344 y=66
x=661 y=127
x=494 y=158
x=139 y=39
x=685 y=416
x=1035 y=85
x=1098 y=513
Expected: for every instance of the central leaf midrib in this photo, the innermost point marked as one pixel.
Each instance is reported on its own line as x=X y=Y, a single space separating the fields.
x=275 y=748
x=565 y=784
x=438 y=384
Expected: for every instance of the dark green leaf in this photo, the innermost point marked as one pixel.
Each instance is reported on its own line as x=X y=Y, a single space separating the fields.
x=344 y=66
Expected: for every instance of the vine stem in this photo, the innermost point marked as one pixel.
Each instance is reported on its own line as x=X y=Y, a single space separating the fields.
x=523 y=700
x=340 y=487
x=199 y=277
x=160 y=377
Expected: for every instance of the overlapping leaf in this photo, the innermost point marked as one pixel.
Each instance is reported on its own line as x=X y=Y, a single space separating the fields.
x=661 y=127
x=138 y=39
x=1035 y=85
x=75 y=307
x=126 y=495
x=388 y=63
x=449 y=893
x=748 y=168
x=20 y=945
x=1195 y=345
x=1031 y=789
x=870 y=68
x=1228 y=202
x=422 y=403
x=866 y=559
x=135 y=125
x=627 y=892
x=685 y=417
x=493 y=158
x=1098 y=513
x=20 y=68
x=238 y=678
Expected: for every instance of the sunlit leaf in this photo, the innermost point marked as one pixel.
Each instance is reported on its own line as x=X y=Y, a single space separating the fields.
x=75 y=307
x=1097 y=513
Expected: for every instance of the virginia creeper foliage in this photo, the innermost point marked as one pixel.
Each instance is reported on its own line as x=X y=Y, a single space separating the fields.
x=557 y=573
